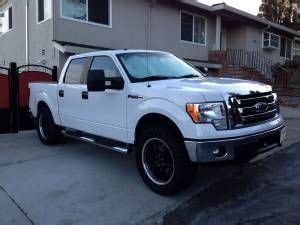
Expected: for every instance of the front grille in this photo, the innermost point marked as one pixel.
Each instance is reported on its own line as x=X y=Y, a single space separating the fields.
x=248 y=110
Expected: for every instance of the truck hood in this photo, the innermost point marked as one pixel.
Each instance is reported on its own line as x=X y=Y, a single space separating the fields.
x=202 y=89
x=211 y=86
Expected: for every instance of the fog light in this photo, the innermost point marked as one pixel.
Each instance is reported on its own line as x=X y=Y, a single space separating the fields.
x=220 y=152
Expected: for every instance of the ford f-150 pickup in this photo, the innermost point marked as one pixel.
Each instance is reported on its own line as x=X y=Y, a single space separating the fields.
x=153 y=103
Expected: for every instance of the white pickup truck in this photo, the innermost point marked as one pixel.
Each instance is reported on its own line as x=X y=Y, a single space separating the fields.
x=170 y=114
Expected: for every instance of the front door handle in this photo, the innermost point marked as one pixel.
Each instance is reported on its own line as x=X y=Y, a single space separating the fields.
x=85 y=95
x=61 y=93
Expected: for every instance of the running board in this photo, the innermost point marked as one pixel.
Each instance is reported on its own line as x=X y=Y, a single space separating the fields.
x=98 y=141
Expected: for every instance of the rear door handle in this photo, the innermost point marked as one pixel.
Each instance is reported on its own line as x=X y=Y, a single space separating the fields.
x=85 y=95
x=61 y=93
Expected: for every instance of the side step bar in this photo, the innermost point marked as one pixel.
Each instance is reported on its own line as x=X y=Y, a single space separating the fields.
x=98 y=141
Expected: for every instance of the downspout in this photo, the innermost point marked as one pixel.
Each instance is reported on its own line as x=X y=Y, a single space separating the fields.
x=26 y=33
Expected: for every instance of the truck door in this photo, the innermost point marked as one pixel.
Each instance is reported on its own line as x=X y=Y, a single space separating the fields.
x=70 y=93
x=104 y=113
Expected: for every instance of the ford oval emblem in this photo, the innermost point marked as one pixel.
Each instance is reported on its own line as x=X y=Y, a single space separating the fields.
x=261 y=107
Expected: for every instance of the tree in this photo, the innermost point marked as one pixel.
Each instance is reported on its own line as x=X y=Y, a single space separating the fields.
x=283 y=12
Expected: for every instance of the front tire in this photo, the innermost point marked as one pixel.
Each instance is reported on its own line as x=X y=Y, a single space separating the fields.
x=48 y=132
x=163 y=162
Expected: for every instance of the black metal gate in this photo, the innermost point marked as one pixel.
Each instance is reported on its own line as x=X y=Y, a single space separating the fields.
x=14 y=94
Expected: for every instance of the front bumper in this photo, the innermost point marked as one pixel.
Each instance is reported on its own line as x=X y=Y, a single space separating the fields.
x=237 y=147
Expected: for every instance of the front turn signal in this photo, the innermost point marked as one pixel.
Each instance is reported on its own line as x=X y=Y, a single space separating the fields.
x=193 y=111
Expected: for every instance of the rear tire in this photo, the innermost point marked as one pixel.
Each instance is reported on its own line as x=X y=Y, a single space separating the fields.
x=48 y=132
x=162 y=160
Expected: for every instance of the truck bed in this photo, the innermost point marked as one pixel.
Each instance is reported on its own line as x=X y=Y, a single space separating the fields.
x=47 y=91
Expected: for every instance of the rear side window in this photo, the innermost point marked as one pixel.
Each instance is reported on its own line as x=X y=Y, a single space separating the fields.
x=106 y=64
x=77 y=71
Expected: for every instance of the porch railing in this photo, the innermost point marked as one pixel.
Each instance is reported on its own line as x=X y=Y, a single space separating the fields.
x=250 y=59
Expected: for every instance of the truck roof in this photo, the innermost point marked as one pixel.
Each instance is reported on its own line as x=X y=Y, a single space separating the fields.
x=112 y=52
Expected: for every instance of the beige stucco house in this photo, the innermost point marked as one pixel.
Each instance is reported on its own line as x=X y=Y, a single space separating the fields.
x=48 y=31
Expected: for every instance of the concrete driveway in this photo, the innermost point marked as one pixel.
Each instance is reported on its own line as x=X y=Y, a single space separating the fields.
x=76 y=183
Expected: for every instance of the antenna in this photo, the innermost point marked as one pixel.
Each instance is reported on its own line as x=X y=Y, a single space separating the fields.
x=148 y=36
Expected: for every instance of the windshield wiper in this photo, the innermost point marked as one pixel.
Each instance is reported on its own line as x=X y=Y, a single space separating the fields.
x=188 y=76
x=162 y=77
x=153 y=78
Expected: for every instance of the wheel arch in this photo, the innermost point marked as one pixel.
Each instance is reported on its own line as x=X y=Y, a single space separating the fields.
x=153 y=119
x=42 y=103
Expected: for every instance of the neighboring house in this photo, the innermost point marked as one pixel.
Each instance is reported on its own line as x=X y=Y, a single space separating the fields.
x=47 y=32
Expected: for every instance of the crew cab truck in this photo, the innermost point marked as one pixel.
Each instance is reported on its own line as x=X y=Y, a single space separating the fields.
x=171 y=115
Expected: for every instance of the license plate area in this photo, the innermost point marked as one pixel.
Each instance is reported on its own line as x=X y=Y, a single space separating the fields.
x=259 y=145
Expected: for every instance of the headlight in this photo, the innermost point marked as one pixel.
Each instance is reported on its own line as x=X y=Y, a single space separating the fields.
x=213 y=113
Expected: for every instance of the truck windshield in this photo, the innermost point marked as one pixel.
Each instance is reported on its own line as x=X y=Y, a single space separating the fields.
x=149 y=66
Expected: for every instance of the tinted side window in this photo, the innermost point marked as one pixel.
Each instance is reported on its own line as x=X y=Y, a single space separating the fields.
x=106 y=64
x=77 y=70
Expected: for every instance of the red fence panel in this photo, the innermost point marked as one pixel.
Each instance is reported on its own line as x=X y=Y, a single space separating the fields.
x=4 y=104
x=4 y=91
x=25 y=121
x=27 y=77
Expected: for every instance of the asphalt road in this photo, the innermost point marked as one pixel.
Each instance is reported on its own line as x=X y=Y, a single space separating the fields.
x=76 y=183
x=266 y=192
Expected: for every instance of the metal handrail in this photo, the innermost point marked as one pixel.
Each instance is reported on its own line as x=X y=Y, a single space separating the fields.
x=250 y=59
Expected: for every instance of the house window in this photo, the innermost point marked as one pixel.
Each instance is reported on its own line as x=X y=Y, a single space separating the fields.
x=193 y=28
x=285 y=48
x=271 y=40
x=43 y=10
x=6 y=20
x=93 y=11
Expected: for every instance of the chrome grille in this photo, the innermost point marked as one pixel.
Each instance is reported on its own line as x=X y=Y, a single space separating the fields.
x=253 y=109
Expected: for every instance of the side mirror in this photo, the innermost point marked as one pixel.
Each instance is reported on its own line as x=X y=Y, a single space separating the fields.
x=203 y=69
x=96 y=81
x=114 y=83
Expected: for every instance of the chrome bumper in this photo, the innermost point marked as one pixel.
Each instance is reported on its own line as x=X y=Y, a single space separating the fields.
x=231 y=148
